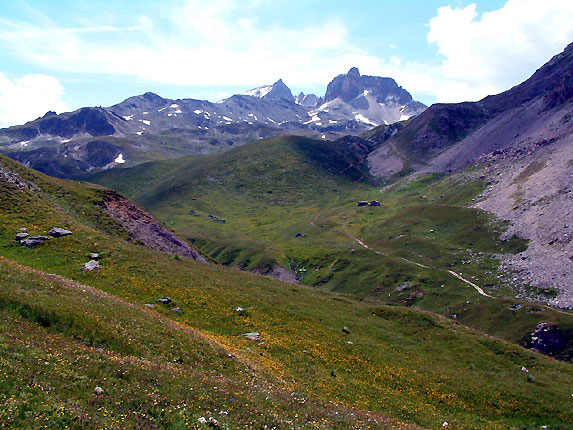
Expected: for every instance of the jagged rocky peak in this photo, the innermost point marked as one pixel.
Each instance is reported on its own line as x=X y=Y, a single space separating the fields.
x=276 y=91
x=352 y=85
x=346 y=87
x=279 y=91
x=308 y=100
x=354 y=72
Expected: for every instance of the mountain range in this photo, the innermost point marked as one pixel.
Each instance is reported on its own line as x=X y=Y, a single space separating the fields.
x=148 y=127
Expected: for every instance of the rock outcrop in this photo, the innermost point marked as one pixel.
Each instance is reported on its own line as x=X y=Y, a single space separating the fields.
x=146 y=229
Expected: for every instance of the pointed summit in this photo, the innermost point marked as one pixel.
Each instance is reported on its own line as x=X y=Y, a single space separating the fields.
x=354 y=72
x=347 y=87
x=276 y=91
x=307 y=100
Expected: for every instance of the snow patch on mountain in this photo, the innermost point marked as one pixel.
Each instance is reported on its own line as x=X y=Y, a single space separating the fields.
x=362 y=118
x=259 y=92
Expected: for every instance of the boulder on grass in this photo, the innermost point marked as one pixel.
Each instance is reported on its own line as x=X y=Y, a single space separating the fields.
x=59 y=232
x=91 y=266
x=33 y=241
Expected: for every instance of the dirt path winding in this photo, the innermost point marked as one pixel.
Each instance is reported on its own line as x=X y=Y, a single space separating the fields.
x=451 y=272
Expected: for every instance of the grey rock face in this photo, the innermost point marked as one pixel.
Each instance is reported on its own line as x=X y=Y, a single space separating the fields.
x=352 y=85
x=547 y=339
x=33 y=241
x=308 y=100
x=279 y=91
x=59 y=232
x=21 y=236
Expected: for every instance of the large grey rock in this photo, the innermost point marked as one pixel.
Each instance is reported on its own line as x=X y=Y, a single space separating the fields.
x=547 y=339
x=33 y=241
x=59 y=232
x=21 y=236
x=90 y=266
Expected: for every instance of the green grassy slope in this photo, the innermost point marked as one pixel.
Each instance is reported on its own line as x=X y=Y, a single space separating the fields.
x=285 y=180
x=303 y=372
x=60 y=340
x=268 y=192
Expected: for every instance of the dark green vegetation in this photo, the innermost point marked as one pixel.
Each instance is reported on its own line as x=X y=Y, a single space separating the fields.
x=293 y=202
x=63 y=336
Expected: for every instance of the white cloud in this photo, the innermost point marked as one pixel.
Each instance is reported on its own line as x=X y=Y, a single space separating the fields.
x=485 y=54
x=491 y=53
x=206 y=43
x=225 y=43
x=28 y=97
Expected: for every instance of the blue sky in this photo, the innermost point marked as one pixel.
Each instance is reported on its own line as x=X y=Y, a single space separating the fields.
x=62 y=55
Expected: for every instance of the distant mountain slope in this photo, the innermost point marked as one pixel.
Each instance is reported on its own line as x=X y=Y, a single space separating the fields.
x=370 y=100
x=277 y=91
x=521 y=142
x=442 y=125
x=148 y=127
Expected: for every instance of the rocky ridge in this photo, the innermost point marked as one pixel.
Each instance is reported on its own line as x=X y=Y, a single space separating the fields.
x=146 y=229
x=149 y=127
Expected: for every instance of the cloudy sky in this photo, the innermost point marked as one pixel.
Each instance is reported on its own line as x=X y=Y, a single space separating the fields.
x=63 y=54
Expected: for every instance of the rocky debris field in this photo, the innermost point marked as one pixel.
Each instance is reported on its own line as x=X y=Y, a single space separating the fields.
x=536 y=198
